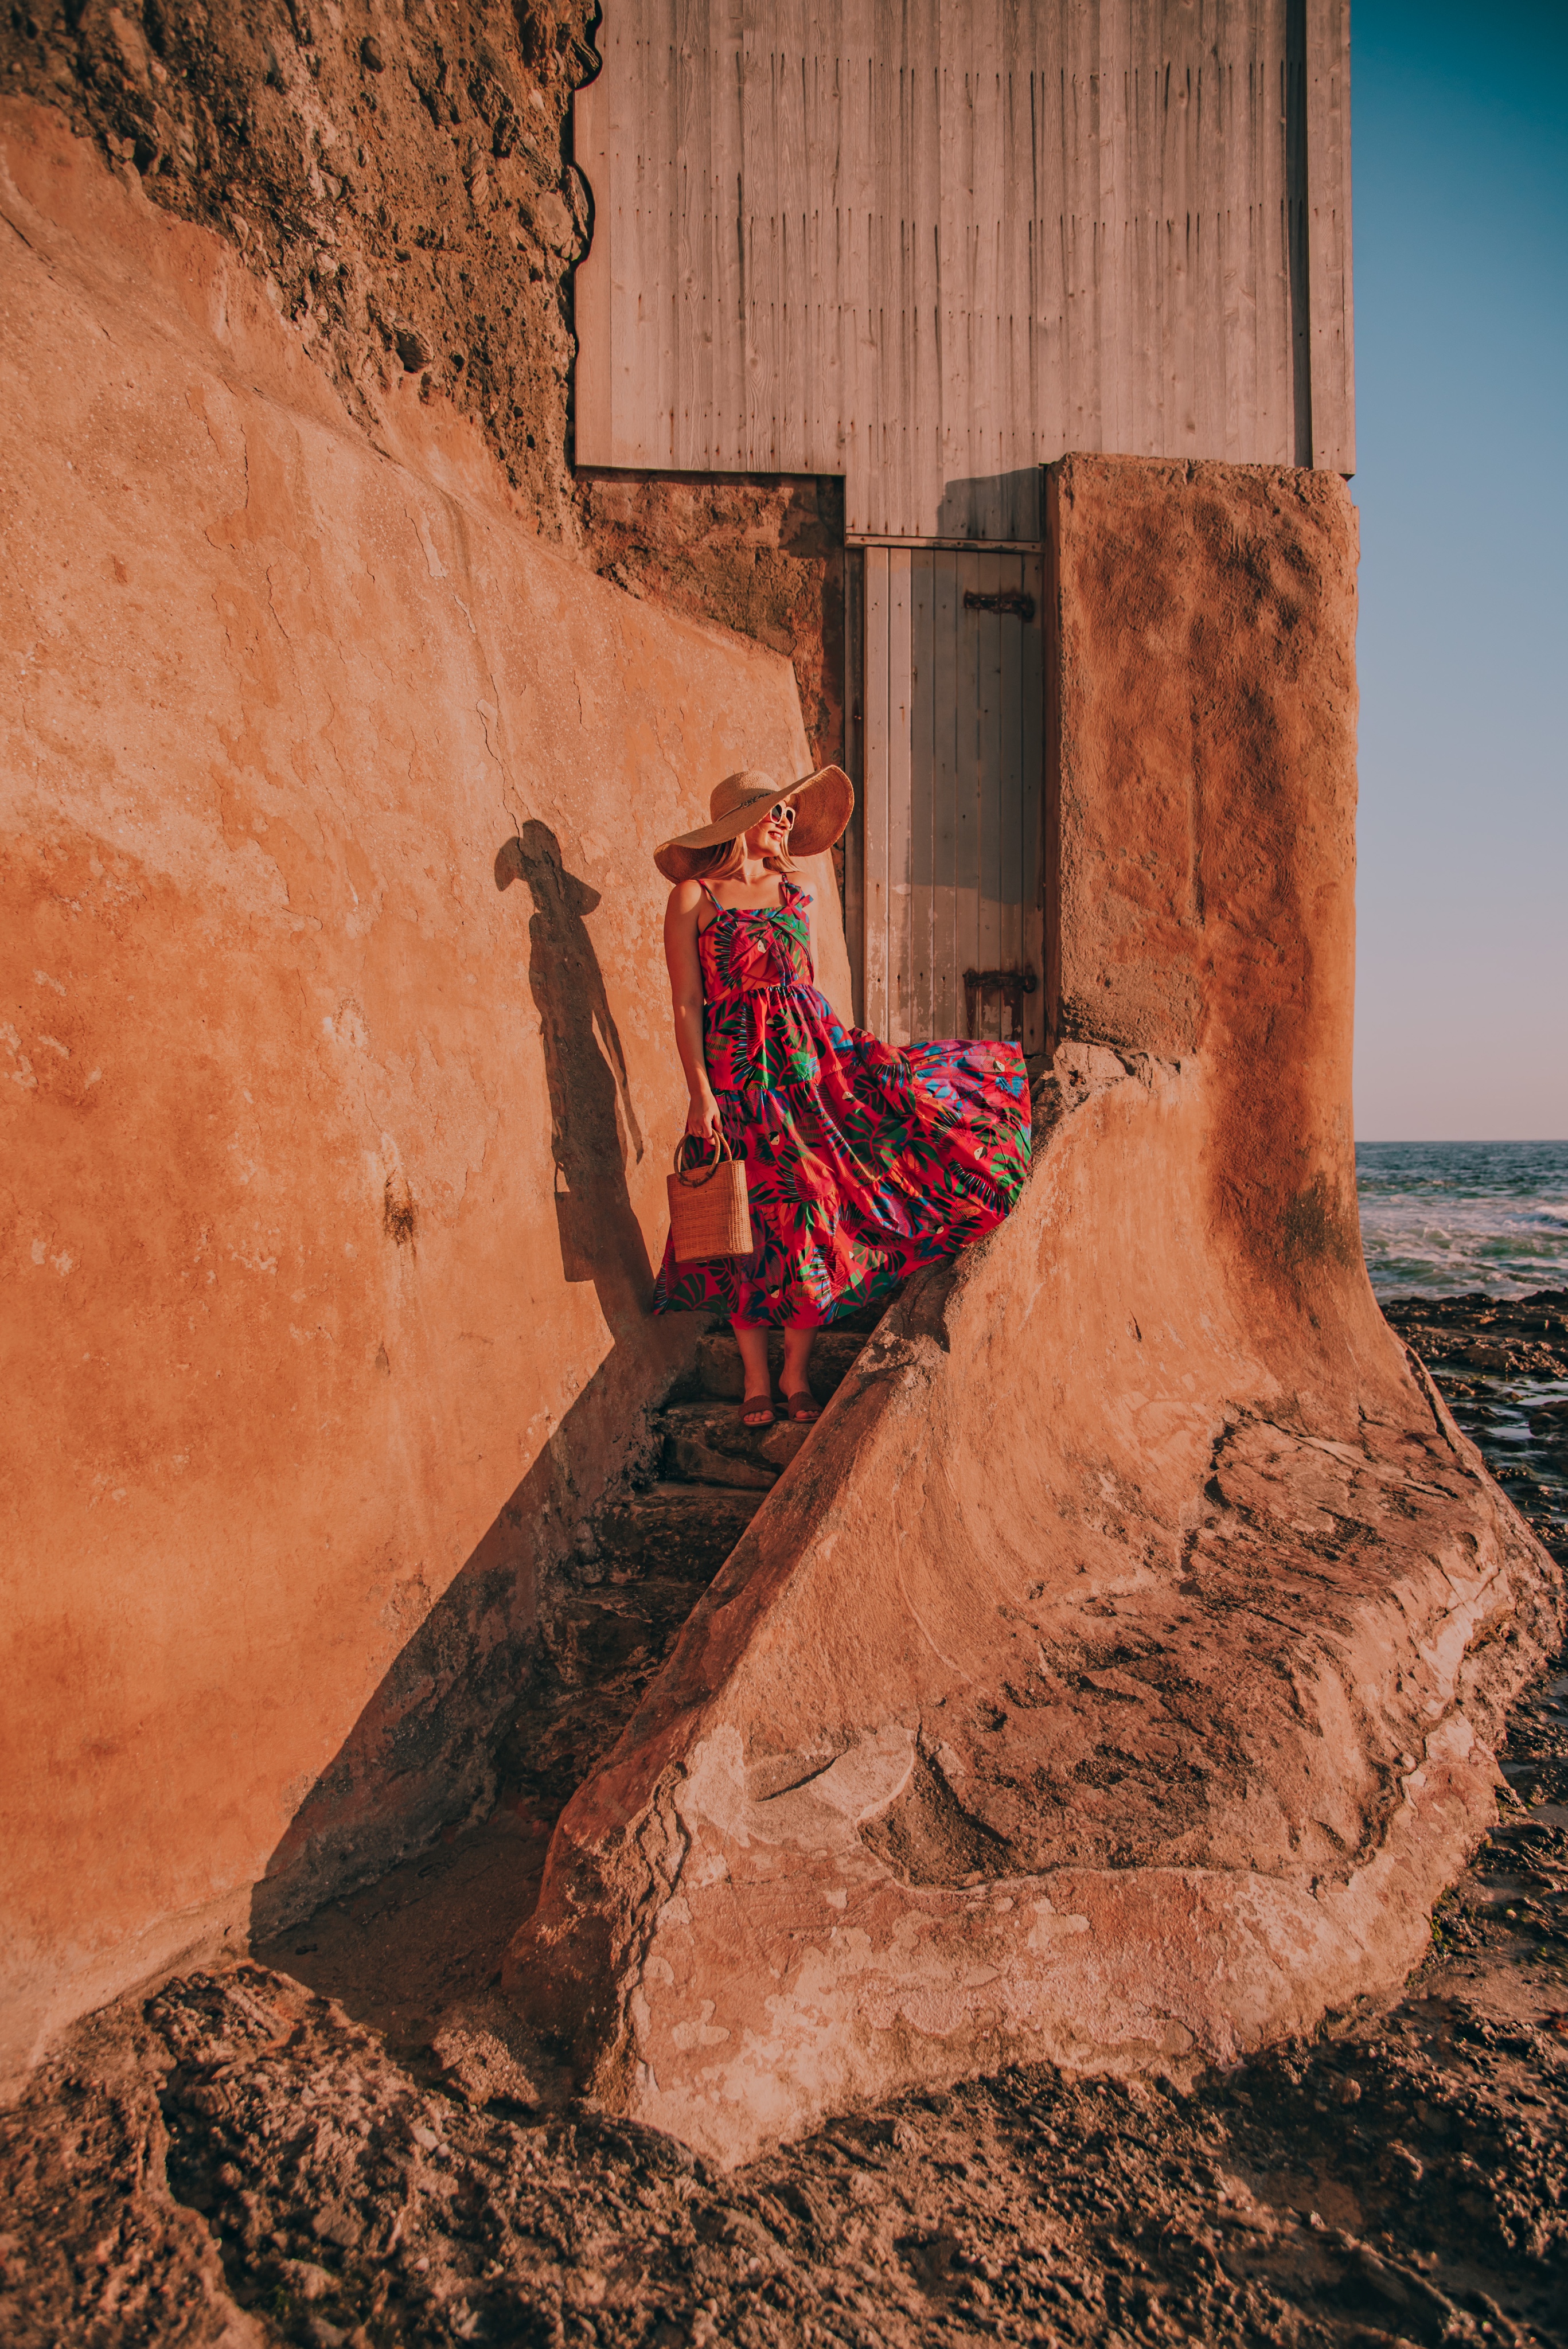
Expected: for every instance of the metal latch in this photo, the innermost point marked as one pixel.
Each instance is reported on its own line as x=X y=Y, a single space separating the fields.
x=1006 y=599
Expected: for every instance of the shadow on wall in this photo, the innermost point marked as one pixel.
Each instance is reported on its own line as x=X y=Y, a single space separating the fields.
x=996 y=506
x=422 y=1753
x=601 y=1240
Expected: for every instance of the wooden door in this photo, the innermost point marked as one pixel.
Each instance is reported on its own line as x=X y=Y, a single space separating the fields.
x=953 y=752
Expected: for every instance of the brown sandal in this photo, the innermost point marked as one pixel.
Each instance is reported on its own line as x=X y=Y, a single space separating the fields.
x=757 y=1412
x=803 y=1407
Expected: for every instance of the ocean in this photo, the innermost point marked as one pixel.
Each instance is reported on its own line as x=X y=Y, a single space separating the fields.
x=1444 y=1218
x=1484 y=1223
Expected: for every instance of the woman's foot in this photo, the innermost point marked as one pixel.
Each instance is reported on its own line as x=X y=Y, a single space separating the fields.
x=802 y=1407
x=757 y=1410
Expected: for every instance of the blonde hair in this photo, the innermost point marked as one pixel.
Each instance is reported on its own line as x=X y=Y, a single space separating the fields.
x=724 y=859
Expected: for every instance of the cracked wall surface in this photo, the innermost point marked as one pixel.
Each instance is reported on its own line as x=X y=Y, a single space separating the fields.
x=1114 y=1679
x=338 y=1099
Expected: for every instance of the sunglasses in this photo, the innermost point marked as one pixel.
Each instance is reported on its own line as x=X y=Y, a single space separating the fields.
x=780 y=813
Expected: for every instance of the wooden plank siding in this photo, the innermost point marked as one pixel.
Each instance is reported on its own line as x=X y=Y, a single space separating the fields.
x=930 y=248
x=1332 y=305
x=954 y=744
x=873 y=809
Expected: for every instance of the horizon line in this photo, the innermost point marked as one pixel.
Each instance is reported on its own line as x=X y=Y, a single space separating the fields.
x=1461 y=1142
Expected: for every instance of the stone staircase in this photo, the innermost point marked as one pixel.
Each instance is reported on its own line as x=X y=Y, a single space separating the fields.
x=616 y=1609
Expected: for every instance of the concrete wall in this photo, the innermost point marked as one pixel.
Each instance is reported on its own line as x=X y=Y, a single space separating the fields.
x=337 y=1087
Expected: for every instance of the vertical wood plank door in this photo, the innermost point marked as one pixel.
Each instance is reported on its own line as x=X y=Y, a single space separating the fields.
x=954 y=749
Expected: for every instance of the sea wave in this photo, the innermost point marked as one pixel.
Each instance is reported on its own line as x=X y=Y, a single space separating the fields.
x=1439 y=1218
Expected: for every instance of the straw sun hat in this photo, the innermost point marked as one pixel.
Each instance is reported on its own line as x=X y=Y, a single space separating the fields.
x=822 y=804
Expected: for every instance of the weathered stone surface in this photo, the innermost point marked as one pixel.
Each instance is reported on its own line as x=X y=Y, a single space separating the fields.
x=1401 y=2177
x=763 y=557
x=718 y=1427
x=1112 y=1679
x=669 y=1525
x=706 y=1466
x=484 y=2055
x=611 y=1616
x=338 y=1104
x=419 y=223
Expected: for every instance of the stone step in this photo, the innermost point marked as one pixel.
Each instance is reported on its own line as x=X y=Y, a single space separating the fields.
x=551 y=1751
x=685 y=1531
x=730 y=1452
x=599 y=1649
x=719 y=1362
x=654 y=1553
x=686 y=1462
x=595 y=1636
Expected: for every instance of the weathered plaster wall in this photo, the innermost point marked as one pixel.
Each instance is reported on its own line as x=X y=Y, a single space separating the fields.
x=337 y=1092
x=399 y=177
x=1112 y=1679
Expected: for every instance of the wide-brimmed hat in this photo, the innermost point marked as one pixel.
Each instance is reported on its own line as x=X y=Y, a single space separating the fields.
x=822 y=803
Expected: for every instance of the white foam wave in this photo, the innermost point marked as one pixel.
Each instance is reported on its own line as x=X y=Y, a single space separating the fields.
x=1441 y=1218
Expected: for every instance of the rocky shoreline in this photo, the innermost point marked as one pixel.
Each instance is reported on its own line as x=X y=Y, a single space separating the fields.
x=238 y=2160
x=1502 y=1366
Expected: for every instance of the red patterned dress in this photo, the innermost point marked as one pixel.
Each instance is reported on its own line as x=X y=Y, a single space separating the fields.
x=863 y=1161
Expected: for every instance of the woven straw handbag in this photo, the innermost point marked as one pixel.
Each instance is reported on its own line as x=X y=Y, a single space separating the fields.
x=710 y=1214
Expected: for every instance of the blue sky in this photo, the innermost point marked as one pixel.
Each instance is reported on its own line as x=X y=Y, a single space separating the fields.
x=1461 y=204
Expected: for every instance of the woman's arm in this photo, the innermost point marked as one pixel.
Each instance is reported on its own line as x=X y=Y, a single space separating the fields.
x=686 y=995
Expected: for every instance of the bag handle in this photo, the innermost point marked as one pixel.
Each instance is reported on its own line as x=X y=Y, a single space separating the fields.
x=705 y=1173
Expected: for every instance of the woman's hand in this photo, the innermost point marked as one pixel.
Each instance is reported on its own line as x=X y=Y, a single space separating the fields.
x=702 y=1117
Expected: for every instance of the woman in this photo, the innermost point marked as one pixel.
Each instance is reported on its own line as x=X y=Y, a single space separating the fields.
x=863 y=1162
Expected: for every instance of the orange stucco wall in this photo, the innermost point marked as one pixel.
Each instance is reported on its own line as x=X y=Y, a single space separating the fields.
x=338 y=1092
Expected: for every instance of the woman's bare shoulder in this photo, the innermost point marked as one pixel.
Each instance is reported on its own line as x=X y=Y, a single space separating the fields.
x=685 y=897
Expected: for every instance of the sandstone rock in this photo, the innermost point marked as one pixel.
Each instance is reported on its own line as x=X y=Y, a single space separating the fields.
x=553 y=219
x=305 y=2278
x=334 y=161
x=704 y=1465
x=1085 y=2210
x=831 y=1357
x=485 y=2055
x=717 y=1427
x=336 y=181
x=669 y=1517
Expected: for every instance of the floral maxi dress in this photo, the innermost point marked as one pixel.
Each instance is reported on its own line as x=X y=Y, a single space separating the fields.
x=863 y=1162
